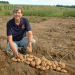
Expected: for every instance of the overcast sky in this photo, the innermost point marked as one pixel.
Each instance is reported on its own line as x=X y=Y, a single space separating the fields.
x=42 y=2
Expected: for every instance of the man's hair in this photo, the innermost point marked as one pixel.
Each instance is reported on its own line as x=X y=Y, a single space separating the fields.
x=17 y=8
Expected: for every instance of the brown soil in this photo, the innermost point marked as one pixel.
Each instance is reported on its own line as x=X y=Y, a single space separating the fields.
x=52 y=36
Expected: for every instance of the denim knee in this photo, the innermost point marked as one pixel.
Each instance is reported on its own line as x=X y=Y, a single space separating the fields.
x=8 y=47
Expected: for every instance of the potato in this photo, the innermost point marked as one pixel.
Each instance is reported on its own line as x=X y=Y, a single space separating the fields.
x=31 y=56
x=47 y=67
x=42 y=68
x=52 y=62
x=27 y=62
x=37 y=61
x=28 y=50
x=27 y=55
x=51 y=67
x=20 y=56
x=24 y=56
x=43 y=64
x=54 y=66
x=59 y=63
x=32 y=63
x=43 y=59
x=64 y=71
x=48 y=63
x=62 y=65
x=56 y=63
x=38 y=67
x=58 y=69
x=35 y=57
x=23 y=60
x=18 y=60
x=14 y=59
x=29 y=59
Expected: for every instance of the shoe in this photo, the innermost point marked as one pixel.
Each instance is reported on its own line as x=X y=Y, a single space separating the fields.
x=24 y=52
x=10 y=53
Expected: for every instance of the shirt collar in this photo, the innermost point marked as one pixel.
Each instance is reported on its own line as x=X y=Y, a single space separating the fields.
x=21 y=22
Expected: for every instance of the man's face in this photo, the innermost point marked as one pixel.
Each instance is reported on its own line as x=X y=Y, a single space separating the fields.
x=17 y=14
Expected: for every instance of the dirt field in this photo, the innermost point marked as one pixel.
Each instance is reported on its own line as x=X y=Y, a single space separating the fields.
x=54 y=35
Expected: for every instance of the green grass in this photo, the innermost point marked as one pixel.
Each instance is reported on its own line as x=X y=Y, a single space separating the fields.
x=69 y=13
x=44 y=19
x=38 y=10
x=6 y=13
x=43 y=13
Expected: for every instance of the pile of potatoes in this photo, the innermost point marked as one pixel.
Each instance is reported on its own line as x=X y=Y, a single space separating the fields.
x=40 y=63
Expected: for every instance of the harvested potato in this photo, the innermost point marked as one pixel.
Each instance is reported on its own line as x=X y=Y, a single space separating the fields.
x=14 y=59
x=32 y=63
x=38 y=67
x=23 y=60
x=51 y=68
x=37 y=61
x=58 y=69
x=54 y=66
x=18 y=60
x=43 y=64
x=56 y=63
x=27 y=55
x=52 y=62
x=48 y=63
x=27 y=62
x=24 y=56
x=28 y=50
x=62 y=65
x=31 y=56
x=42 y=68
x=43 y=59
x=59 y=63
x=29 y=59
x=64 y=71
x=47 y=67
x=35 y=57
x=20 y=56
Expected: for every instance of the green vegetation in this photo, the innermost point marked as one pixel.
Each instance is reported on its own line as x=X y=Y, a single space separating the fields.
x=69 y=13
x=38 y=10
x=8 y=13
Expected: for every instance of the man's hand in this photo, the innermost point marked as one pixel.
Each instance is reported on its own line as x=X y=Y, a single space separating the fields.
x=30 y=45
x=16 y=55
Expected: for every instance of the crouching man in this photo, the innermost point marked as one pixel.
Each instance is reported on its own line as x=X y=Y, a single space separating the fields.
x=16 y=33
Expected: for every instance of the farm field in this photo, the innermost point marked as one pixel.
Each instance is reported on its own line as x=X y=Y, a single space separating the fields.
x=52 y=34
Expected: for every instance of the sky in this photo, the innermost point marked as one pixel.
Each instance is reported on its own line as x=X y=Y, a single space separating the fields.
x=42 y=2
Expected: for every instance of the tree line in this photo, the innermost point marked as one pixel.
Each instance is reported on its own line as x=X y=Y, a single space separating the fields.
x=67 y=6
x=5 y=2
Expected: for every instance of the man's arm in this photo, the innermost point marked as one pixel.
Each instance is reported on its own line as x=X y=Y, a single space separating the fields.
x=12 y=45
x=30 y=37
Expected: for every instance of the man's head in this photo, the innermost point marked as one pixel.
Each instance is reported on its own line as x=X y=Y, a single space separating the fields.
x=17 y=8
x=17 y=12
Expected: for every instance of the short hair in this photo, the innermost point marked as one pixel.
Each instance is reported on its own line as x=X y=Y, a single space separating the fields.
x=17 y=8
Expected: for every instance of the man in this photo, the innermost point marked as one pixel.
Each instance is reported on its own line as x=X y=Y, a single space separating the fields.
x=16 y=33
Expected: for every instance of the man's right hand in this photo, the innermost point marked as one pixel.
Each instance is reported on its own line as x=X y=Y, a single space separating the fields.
x=16 y=55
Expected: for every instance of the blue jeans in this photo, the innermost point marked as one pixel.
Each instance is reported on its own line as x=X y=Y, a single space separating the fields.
x=22 y=43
